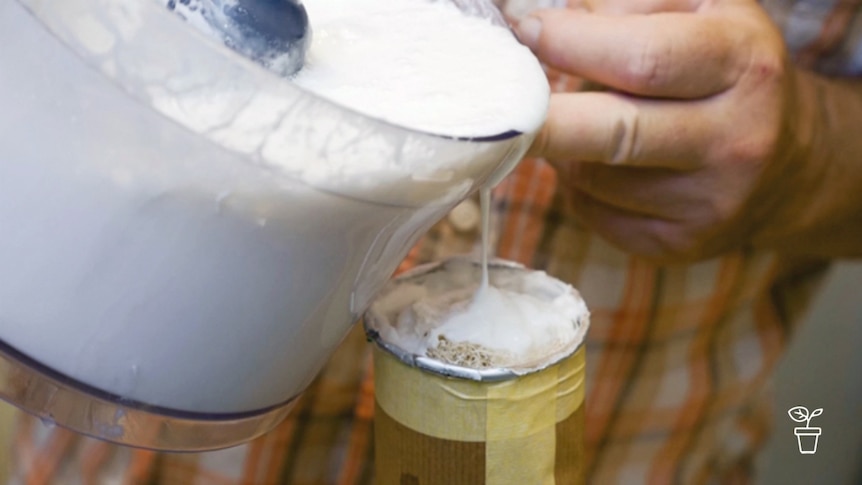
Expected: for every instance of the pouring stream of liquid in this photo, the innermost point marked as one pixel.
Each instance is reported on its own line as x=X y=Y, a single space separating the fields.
x=485 y=202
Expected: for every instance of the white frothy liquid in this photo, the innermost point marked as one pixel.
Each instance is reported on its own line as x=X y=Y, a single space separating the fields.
x=142 y=258
x=420 y=51
x=523 y=320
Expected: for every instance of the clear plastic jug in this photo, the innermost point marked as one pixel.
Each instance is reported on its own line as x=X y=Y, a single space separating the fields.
x=173 y=276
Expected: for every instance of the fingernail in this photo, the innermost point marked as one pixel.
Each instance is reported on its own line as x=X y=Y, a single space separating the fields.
x=528 y=31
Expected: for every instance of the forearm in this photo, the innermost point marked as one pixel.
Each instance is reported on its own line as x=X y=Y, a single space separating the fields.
x=821 y=214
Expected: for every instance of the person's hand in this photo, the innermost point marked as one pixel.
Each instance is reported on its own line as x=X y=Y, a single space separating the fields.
x=697 y=148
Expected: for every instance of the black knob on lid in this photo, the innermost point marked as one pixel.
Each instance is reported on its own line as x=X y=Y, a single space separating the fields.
x=274 y=32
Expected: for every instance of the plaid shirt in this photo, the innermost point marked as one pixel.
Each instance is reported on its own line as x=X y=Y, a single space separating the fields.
x=680 y=356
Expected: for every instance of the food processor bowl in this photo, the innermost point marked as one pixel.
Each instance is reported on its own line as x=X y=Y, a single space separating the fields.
x=176 y=272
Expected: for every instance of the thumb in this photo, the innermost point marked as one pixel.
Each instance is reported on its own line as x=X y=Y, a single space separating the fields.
x=621 y=130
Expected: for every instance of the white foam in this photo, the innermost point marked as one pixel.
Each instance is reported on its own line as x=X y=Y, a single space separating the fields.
x=526 y=318
x=423 y=64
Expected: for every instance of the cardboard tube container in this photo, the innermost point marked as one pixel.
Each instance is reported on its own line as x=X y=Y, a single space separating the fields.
x=441 y=424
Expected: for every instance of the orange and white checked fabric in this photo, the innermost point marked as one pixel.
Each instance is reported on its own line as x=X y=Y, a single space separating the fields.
x=680 y=356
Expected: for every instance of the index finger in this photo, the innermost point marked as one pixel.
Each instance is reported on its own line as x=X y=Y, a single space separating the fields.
x=672 y=55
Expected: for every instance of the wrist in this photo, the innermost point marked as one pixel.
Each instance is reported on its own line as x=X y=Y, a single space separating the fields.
x=813 y=183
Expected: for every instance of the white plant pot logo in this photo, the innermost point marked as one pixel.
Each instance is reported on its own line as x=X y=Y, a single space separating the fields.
x=806 y=436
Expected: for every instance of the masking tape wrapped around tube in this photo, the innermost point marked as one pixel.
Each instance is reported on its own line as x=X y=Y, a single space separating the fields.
x=436 y=423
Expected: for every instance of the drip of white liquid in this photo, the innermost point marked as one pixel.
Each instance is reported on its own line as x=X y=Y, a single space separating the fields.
x=485 y=202
x=487 y=299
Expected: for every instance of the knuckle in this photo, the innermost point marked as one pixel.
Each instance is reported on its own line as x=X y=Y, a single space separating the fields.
x=773 y=68
x=749 y=150
x=648 y=65
x=768 y=65
x=623 y=145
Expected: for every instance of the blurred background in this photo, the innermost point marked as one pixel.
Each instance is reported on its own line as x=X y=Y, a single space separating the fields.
x=823 y=369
